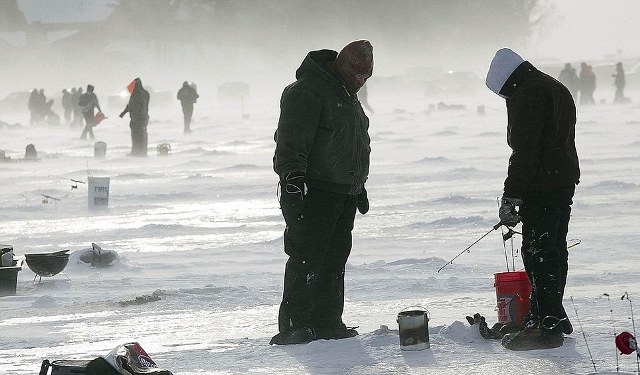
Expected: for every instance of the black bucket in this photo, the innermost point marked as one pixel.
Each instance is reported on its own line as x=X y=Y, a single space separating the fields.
x=413 y=328
x=9 y=279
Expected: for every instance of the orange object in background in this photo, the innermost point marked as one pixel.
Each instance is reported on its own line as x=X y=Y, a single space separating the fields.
x=131 y=86
x=98 y=118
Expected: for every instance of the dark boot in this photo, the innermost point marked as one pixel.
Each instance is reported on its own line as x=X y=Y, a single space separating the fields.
x=301 y=335
x=340 y=331
x=567 y=327
x=534 y=338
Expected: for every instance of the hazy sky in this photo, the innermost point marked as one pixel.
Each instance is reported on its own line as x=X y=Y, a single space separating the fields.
x=589 y=29
x=571 y=31
x=578 y=29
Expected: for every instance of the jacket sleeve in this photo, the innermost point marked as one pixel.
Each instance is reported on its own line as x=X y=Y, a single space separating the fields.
x=300 y=112
x=526 y=119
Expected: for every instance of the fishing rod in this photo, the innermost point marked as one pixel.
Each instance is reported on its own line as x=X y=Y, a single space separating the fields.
x=505 y=237
x=614 y=330
x=583 y=335
x=633 y=324
x=469 y=247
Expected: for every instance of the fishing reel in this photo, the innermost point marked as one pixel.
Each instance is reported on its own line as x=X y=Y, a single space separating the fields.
x=509 y=234
x=626 y=343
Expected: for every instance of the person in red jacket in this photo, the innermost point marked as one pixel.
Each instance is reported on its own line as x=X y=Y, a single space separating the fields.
x=541 y=178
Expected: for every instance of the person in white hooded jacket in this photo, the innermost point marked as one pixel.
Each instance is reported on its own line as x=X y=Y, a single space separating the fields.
x=541 y=178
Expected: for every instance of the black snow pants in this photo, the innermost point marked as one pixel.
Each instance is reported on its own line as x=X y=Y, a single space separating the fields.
x=545 y=223
x=88 y=127
x=187 y=111
x=139 y=137
x=318 y=247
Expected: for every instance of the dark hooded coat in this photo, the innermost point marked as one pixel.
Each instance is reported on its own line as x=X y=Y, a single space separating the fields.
x=541 y=133
x=322 y=130
x=138 y=106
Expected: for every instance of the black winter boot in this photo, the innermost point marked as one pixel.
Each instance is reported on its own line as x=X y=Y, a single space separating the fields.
x=301 y=335
x=340 y=331
x=534 y=338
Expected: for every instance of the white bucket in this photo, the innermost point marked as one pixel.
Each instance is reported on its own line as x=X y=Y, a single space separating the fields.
x=99 y=149
x=98 y=189
x=413 y=328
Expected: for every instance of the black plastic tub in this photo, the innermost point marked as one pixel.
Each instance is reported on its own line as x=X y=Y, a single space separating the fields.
x=47 y=264
x=9 y=279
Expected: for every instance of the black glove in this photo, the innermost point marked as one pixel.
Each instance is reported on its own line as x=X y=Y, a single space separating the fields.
x=363 y=202
x=507 y=212
x=497 y=331
x=292 y=191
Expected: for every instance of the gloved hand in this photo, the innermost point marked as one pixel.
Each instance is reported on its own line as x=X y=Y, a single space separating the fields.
x=497 y=331
x=507 y=212
x=363 y=201
x=121 y=115
x=292 y=191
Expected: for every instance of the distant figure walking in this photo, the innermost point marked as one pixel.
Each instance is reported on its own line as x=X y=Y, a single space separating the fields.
x=33 y=107
x=187 y=95
x=77 y=110
x=570 y=79
x=619 y=82
x=587 y=84
x=138 y=109
x=67 y=104
x=88 y=102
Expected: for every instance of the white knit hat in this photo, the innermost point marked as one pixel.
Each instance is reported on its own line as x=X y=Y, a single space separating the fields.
x=503 y=64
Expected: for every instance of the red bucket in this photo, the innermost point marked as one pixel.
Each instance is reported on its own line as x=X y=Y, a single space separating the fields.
x=513 y=293
x=98 y=118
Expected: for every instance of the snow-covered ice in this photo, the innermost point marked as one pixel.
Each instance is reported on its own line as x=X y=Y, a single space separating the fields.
x=201 y=228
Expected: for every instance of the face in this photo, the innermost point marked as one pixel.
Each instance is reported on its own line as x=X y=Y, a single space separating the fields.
x=354 y=75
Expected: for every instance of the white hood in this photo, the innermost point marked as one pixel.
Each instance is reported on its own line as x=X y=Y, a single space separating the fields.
x=503 y=64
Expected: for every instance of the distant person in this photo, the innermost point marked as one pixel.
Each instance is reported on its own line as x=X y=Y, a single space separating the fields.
x=322 y=158
x=77 y=109
x=33 y=107
x=67 y=105
x=40 y=105
x=619 y=83
x=88 y=102
x=42 y=101
x=543 y=171
x=187 y=95
x=50 y=117
x=587 y=84
x=570 y=79
x=138 y=109
x=30 y=152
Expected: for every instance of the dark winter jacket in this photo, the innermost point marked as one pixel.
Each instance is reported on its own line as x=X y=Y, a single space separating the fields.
x=322 y=130
x=541 y=133
x=88 y=101
x=187 y=95
x=138 y=106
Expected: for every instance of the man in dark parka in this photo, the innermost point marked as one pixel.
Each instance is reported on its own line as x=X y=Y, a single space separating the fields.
x=322 y=159
x=542 y=174
x=138 y=109
x=187 y=95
